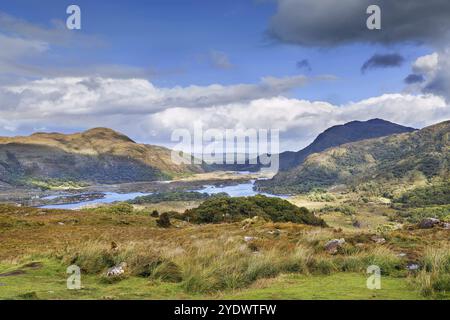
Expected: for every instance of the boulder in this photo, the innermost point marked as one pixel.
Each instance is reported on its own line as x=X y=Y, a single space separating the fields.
x=248 y=239
x=428 y=223
x=116 y=270
x=446 y=225
x=413 y=267
x=332 y=246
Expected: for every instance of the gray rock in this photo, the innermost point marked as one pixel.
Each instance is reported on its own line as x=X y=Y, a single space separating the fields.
x=446 y=225
x=248 y=239
x=428 y=223
x=116 y=270
x=332 y=246
x=413 y=267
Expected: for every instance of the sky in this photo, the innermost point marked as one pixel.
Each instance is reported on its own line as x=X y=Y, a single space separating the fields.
x=147 y=68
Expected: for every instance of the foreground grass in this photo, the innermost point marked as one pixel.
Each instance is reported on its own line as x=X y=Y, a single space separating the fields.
x=246 y=260
x=49 y=282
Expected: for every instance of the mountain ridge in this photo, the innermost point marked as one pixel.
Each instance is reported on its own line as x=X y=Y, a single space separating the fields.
x=95 y=155
x=396 y=157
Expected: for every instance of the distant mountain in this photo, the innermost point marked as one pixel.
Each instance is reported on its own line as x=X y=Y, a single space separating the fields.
x=332 y=137
x=340 y=134
x=97 y=155
x=392 y=159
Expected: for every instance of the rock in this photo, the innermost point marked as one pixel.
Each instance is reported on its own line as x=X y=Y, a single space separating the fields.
x=378 y=240
x=248 y=239
x=332 y=246
x=413 y=267
x=116 y=270
x=275 y=232
x=401 y=255
x=446 y=225
x=428 y=223
x=61 y=223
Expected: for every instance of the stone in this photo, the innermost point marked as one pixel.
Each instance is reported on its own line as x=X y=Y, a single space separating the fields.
x=117 y=270
x=332 y=246
x=428 y=223
x=248 y=239
x=413 y=267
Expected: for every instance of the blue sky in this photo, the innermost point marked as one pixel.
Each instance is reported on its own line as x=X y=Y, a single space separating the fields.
x=174 y=40
x=148 y=67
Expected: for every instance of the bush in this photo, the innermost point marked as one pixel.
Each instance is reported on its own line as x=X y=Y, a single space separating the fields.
x=154 y=214
x=163 y=221
x=223 y=209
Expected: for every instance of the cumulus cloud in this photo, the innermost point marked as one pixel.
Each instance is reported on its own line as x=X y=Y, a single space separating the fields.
x=106 y=96
x=434 y=72
x=383 y=61
x=329 y=23
x=300 y=121
x=149 y=113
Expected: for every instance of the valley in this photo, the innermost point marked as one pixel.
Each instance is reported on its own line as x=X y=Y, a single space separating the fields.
x=309 y=232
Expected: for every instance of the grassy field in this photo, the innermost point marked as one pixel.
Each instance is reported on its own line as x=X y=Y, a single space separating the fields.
x=251 y=259
x=49 y=282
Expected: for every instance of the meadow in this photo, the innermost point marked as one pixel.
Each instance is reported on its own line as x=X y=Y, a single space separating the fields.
x=248 y=259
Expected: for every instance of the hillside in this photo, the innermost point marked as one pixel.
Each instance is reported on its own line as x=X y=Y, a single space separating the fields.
x=392 y=159
x=96 y=155
x=341 y=134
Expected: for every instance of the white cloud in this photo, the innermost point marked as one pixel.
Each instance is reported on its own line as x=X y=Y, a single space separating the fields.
x=435 y=70
x=149 y=113
x=104 y=96
x=300 y=121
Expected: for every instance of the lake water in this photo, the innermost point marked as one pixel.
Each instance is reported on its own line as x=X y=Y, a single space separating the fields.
x=109 y=197
x=238 y=190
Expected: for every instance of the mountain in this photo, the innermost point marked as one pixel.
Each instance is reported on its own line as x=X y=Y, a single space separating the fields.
x=341 y=134
x=392 y=159
x=99 y=155
x=332 y=137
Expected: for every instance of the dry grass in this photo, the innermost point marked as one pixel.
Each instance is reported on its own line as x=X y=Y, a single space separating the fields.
x=211 y=258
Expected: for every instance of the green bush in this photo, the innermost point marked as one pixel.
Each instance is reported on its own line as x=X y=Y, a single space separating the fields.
x=224 y=209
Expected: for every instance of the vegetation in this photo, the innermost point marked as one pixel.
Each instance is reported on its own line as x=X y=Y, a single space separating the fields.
x=99 y=155
x=436 y=194
x=163 y=221
x=169 y=196
x=226 y=209
x=395 y=159
x=238 y=259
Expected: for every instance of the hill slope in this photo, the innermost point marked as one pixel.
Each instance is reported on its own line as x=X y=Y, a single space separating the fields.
x=341 y=134
x=392 y=158
x=96 y=155
x=332 y=137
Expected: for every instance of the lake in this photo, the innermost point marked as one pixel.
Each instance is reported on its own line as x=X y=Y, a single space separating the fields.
x=238 y=190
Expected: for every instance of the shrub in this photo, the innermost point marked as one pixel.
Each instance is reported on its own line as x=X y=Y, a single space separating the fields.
x=163 y=221
x=223 y=209
x=154 y=214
